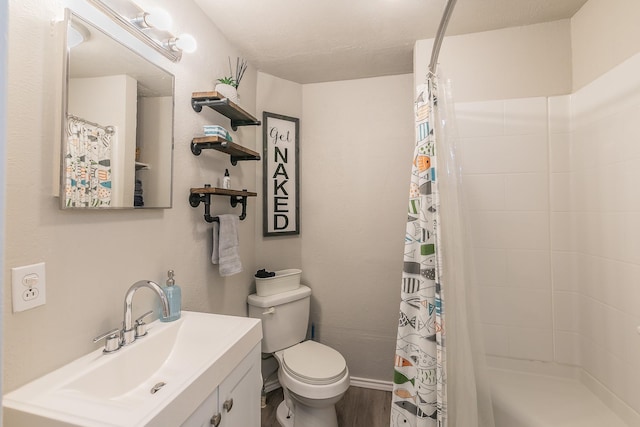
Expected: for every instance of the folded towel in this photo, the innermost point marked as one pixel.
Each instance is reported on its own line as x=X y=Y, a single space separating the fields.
x=216 y=130
x=225 y=245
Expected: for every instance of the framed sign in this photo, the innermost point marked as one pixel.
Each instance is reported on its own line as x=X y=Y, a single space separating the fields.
x=281 y=175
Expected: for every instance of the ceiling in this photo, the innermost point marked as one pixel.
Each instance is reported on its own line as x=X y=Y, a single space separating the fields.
x=308 y=41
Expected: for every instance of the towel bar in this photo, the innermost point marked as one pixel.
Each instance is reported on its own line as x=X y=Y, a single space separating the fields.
x=203 y=195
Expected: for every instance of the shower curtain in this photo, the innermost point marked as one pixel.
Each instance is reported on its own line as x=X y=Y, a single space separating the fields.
x=439 y=376
x=87 y=164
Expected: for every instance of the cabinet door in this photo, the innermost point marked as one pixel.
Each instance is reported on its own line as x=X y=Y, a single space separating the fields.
x=239 y=393
x=202 y=416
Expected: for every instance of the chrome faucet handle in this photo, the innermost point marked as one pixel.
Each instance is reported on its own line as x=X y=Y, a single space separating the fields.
x=141 y=327
x=111 y=340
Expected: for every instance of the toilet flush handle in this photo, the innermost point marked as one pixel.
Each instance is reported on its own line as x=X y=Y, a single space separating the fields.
x=271 y=310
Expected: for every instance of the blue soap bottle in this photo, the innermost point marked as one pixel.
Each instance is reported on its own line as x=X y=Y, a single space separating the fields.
x=174 y=296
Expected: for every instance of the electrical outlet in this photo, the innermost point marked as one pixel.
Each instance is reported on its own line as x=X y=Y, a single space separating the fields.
x=28 y=286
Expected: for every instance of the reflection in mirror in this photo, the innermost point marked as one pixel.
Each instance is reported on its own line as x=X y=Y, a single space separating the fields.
x=117 y=143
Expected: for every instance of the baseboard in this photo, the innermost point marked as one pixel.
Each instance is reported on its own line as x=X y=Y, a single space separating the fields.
x=355 y=382
x=271 y=385
x=372 y=384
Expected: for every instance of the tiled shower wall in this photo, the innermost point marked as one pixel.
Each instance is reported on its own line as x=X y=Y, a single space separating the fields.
x=553 y=188
x=605 y=227
x=504 y=156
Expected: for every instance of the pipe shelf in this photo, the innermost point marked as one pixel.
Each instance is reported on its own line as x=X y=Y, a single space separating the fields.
x=237 y=152
x=203 y=195
x=224 y=106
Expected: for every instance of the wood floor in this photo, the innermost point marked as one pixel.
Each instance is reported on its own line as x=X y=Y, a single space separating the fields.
x=360 y=407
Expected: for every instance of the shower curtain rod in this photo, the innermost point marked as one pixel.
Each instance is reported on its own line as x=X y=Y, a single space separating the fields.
x=108 y=129
x=442 y=28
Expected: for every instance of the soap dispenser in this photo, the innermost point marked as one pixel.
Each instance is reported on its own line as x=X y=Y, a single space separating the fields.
x=226 y=180
x=174 y=296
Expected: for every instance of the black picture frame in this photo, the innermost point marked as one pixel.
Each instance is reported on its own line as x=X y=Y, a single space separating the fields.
x=280 y=175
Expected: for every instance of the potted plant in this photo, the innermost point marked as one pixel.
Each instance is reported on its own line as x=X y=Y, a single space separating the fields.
x=228 y=86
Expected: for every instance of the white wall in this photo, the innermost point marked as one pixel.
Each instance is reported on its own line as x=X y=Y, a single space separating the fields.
x=604 y=33
x=358 y=145
x=278 y=96
x=519 y=62
x=355 y=153
x=155 y=133
x=86 y=283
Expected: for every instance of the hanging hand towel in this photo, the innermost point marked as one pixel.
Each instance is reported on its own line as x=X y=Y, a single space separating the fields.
x=225 y=245
x=215 y=253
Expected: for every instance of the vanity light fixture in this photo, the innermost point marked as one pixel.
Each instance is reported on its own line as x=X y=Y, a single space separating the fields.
x=150 y=27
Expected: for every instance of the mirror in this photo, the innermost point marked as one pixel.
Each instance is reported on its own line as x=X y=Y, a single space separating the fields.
x=117 y=130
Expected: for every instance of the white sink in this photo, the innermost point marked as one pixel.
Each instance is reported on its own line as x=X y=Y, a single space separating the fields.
x=191 y=356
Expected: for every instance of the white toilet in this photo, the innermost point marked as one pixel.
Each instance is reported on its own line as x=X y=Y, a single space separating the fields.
x=313 y=376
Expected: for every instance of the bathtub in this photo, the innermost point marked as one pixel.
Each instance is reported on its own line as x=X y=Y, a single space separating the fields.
x=522 y=399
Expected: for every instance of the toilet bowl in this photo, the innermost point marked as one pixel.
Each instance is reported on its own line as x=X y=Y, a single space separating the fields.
x=313 y=376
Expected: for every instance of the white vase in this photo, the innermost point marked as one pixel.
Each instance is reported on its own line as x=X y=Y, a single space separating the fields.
x=227 y=91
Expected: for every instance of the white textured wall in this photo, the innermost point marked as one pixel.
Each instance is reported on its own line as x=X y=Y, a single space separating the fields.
x=355 y=154
x=86 y=283
x=278 y=96
x=358 y=145
x=603 y=34
x=151 y=133
x=519 y=62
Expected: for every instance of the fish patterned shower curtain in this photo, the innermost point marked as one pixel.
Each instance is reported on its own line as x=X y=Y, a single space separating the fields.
x=419 y=389
x=87 y=164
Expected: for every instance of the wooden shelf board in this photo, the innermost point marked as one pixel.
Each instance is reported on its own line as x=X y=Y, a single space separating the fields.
x=228 y=109
x=226 y=146
x=222 y=192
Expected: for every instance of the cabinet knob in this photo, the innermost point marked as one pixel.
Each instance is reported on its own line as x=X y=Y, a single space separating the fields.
x=228 y=404
x=215 y=420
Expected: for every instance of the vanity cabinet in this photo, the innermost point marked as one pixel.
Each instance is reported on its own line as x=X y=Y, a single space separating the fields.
x=236 y=401
x=180 y=374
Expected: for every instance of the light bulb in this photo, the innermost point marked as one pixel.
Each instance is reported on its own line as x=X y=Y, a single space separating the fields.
x=155 y=18
x=158 y=18
x=186 y=43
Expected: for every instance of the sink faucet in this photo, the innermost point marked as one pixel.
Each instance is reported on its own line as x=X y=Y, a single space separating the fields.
x=129 y=331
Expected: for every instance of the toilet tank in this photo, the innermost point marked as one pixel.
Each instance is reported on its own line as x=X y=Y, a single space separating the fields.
x=285 y=317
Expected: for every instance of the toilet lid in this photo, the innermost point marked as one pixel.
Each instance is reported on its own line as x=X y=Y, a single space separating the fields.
x=314 y=363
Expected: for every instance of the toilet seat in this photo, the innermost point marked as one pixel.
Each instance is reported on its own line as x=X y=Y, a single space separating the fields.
x=313 y=363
